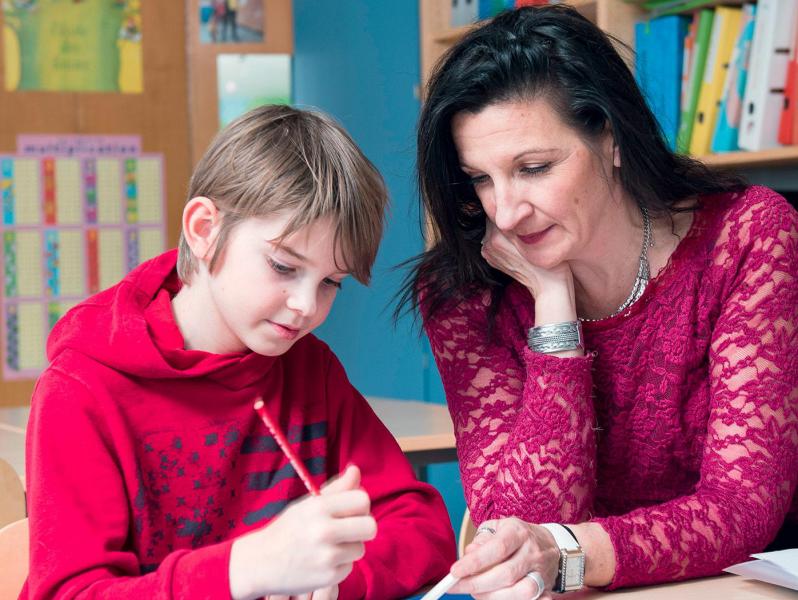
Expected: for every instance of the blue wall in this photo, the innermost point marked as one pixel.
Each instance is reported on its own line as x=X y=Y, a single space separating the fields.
x=359 y=61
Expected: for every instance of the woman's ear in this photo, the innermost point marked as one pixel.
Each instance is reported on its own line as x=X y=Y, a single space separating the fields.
x=616 y=156
x=201 y=221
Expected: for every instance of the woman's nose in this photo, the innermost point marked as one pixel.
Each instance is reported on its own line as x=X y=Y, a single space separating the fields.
x=511 y=208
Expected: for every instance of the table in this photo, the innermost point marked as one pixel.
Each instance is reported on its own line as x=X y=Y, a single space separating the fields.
x=13 y=421
x=424 y=431
x=723 y=587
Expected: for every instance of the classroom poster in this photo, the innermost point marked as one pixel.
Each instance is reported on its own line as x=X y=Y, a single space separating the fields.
x=38 y=144
x=246 y=81
x=231 y=21
x=71 y=226
x=72 y=45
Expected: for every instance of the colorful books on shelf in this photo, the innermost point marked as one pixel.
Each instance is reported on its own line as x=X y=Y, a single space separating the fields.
x=658 y=69
x=730 y=112
x=771 y=49
x=787 y=123
x=659 y=8
x=696 y=46
x=465 y=12
x=737 y=86
x=725 y=31
x=491 y=8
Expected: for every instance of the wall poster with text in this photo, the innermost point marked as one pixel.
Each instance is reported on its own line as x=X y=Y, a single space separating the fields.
x=70 y=226
x=73 y=45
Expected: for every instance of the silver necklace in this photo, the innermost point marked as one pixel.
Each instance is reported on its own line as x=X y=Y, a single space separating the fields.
x=643 y=271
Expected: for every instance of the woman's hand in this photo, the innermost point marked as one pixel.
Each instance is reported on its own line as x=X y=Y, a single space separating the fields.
x=552 y=289
x=311 y=545
x=502 y=254
x=495 y=566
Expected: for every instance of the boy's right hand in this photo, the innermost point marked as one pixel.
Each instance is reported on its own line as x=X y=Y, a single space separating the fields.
x=311 y=545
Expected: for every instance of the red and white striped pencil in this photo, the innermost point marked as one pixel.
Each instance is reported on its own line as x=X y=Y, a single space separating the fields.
x=299 y=467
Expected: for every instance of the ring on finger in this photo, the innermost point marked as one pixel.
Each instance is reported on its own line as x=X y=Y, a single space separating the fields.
x=535 y=576
x=484 y=529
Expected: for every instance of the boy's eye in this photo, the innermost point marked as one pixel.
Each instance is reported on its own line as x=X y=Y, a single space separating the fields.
x=280 y=268
x=333 y=283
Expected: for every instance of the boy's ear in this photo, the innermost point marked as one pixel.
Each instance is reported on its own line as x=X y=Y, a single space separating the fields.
x=201 y=221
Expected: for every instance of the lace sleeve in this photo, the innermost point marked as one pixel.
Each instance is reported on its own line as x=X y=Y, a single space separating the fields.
x=749 y=464
x=516 y=412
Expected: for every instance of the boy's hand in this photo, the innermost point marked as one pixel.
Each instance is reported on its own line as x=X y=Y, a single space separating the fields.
x=330 y=593
x=310 y=546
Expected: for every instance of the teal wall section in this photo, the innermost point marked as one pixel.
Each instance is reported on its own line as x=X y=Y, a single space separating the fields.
x=359 y=61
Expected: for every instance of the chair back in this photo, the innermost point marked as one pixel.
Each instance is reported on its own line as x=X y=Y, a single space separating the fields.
x=12 y=495
x=467 y=532
x=14 y=549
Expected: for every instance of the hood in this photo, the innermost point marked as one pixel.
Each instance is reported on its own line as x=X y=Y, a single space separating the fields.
x=130 y=328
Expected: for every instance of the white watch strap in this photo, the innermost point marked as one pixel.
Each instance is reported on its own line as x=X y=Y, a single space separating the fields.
x=565 y=540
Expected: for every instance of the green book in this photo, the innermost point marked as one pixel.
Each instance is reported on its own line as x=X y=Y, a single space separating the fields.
x=698 y=62
x=660 y=8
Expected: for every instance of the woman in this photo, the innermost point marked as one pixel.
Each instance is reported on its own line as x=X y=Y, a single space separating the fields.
x=615 y=325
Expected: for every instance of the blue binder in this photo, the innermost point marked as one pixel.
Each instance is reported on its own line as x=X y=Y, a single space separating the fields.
x=659 y=46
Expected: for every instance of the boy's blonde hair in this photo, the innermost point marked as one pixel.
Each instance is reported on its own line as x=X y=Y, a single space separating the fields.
x=277 y=158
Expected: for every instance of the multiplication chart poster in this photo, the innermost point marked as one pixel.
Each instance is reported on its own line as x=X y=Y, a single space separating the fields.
x=71 y=226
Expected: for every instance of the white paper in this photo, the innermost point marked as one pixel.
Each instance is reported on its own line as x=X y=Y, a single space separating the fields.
x=778 y=568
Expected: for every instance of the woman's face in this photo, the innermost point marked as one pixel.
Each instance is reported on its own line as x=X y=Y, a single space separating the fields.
x=537 y=180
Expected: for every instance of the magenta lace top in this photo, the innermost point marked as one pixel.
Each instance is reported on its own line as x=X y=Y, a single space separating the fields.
x=678 y=432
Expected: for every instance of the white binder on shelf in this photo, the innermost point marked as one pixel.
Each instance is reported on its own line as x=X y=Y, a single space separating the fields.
x=771 y=48
x=464 y=12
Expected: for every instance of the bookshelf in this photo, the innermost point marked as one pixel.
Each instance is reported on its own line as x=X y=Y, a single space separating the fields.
x=616 y=17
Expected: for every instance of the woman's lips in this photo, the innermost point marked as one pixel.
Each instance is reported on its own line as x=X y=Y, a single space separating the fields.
x=534 y=238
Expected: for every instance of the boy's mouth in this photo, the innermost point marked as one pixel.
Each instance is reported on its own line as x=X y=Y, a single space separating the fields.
x=285 y=332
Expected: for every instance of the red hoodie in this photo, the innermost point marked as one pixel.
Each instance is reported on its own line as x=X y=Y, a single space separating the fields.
x=145 y=460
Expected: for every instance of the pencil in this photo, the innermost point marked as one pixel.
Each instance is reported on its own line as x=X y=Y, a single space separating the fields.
x=260 y=408
x=441 y=588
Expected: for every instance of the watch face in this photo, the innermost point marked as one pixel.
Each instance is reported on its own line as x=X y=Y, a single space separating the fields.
x=573 y=574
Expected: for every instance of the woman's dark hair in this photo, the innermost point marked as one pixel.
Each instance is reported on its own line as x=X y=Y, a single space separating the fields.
x=549 y=52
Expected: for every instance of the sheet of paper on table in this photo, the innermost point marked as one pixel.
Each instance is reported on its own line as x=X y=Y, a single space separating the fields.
x=778 y=568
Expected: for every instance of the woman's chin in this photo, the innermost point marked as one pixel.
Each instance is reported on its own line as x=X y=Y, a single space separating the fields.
x=545 y=262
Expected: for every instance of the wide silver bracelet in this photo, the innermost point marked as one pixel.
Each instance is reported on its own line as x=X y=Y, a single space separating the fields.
x=557 y=337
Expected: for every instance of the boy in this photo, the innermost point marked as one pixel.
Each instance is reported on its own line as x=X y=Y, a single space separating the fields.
x=151 y=476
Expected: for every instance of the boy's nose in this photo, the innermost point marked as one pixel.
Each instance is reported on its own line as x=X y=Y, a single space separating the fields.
x=303 y=302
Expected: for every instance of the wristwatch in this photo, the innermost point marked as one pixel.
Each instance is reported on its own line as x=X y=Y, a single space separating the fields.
x=571 y=570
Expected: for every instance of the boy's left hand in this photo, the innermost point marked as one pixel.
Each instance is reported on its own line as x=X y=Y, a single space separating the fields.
x=330 y=593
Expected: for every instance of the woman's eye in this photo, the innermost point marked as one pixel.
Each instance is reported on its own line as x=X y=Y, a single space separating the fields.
x=280 y=268
x=333 y=283
x=534 y=170
x=477 y=180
